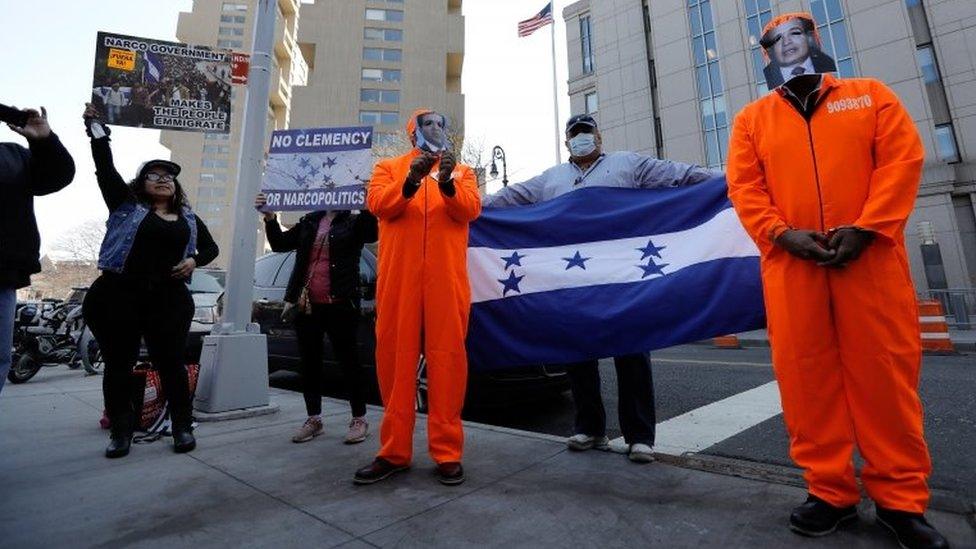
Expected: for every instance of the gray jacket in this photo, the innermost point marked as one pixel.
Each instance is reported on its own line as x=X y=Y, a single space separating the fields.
x=616 y=169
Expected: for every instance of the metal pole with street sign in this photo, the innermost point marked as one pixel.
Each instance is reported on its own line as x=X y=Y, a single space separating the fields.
x=234 y=360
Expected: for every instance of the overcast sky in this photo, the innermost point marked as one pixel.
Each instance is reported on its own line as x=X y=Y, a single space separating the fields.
x=49 y=48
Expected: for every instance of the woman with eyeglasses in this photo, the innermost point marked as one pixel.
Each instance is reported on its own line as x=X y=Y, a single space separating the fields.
x=152 y=243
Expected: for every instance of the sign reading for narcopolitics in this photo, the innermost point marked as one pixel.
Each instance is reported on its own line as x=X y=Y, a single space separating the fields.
x=164 y=85
x=318 y=169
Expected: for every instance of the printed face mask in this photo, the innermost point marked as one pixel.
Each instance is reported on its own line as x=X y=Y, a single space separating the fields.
x=582 y=144
x=430 y=134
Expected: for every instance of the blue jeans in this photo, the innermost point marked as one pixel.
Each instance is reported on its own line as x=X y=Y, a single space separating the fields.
x=8 y=303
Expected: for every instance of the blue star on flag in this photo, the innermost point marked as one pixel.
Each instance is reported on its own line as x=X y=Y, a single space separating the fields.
x=329 y=162
x=576 y=261
x=652 y=269
x=513 y=260
x=303 y=162
x=651 y=250
x=511 y=283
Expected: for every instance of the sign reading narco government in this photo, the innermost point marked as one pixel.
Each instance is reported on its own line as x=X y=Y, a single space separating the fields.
x=318 y=169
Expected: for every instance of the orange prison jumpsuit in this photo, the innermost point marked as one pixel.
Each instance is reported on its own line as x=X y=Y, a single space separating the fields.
x=845 y=342
x=422 y=303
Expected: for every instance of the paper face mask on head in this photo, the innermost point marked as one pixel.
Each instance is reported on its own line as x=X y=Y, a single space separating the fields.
x=431 y=133
x=792 y=47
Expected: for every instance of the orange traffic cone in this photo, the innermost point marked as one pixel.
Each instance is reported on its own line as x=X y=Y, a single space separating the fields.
x=727 y=342
x=935 y=331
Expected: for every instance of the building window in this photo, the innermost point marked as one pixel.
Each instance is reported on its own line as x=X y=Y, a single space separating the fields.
x=384 y=15
x=236 y=19
x=382 y=54
x=219 y=149
x=216 y=136
x=714 y=116
x=211 y=193
x=833 y=33
x=381 y=75
x=591 y=103
x=379 y=118
x=230 y=44
x=213 y=163
x=211 y=178
x=758 y=13
x=586 y=44
x=230 y=31
x=945 y=143
x=389 y=35
x=379 y=96
x=231 y=6
x=926 y=62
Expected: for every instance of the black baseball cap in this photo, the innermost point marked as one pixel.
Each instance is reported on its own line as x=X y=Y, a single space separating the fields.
x=580 y=119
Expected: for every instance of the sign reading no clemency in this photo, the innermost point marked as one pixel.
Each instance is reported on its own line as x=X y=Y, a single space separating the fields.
x=318 y=169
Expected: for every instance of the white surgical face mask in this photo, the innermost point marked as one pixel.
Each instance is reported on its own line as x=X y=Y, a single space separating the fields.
x=582 y=144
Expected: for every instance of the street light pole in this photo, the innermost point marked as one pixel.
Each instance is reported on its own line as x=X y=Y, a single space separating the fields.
x=234 y=359
x=498 y=153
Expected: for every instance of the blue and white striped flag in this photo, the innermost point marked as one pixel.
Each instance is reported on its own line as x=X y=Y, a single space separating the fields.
x=602 y=271
x=152 y=68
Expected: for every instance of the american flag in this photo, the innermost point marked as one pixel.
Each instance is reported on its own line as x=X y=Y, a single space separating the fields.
x=537 y=21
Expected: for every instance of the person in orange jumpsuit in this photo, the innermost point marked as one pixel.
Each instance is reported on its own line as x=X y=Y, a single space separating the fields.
x=424 y=201
x=823 y=173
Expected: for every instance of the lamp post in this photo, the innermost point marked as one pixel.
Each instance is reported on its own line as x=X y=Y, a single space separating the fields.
x=498 y=153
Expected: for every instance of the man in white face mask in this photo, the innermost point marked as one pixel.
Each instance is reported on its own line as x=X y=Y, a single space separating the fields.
x=589 y=166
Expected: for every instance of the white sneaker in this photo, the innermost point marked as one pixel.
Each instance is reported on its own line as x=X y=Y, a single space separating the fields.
x=640 y=453
x=580 y=442
x=358 y=430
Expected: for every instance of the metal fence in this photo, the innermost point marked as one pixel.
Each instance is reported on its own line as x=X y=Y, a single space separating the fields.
x=959 y=305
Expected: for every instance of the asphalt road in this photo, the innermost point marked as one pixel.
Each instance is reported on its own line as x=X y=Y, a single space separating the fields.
x=692 y=376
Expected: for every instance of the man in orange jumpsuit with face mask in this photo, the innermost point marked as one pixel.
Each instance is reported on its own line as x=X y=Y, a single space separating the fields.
x=823 y=174
x=424 y=201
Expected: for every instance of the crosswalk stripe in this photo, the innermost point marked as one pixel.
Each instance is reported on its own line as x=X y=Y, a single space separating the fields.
x=702 y=427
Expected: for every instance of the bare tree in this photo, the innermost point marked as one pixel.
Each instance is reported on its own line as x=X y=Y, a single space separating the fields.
x=82 y=242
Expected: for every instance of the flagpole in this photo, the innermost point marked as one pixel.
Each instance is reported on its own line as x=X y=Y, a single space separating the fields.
x=555 y=94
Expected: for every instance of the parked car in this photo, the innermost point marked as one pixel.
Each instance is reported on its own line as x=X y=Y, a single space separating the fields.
x=206 y=290
x=271 y=274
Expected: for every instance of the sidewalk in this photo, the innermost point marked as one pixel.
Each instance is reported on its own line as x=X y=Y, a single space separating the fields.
x=246 y=485
x=964 y=340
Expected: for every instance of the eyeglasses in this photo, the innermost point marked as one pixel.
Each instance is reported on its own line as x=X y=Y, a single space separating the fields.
x=154 y=177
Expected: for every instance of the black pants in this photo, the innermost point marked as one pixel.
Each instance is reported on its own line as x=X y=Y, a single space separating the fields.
x=341 y=322
x=635 y=403
x=121 y=311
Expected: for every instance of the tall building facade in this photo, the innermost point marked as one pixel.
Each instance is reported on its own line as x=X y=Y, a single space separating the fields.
x=209 y=160
x=373 y=62
x=666 y=78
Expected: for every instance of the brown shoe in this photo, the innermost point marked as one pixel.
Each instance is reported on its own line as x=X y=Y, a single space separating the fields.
x=377 y=471
x=450 y=473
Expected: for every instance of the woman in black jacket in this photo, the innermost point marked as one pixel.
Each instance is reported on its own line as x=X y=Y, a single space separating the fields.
x=323 y=293
x=152 y=243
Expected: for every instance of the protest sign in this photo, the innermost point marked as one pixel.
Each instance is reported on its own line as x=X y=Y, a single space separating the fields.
x=318 y=169
x=164 y=85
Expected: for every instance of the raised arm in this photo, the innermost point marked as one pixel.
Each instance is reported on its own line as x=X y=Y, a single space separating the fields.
x=519 y=194
x=650 y=172
x=465 y=205
x=385 y=195
x=281 y=241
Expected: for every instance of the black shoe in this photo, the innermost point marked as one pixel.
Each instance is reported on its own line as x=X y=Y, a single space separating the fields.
x=817 y=518
x=376 y=471
x=183 y=441
x=118 y=445
x=450 y=473
x=911 y=529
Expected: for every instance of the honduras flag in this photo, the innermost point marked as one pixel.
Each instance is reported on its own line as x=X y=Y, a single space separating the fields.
x=602 y=271
x=152 y=68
